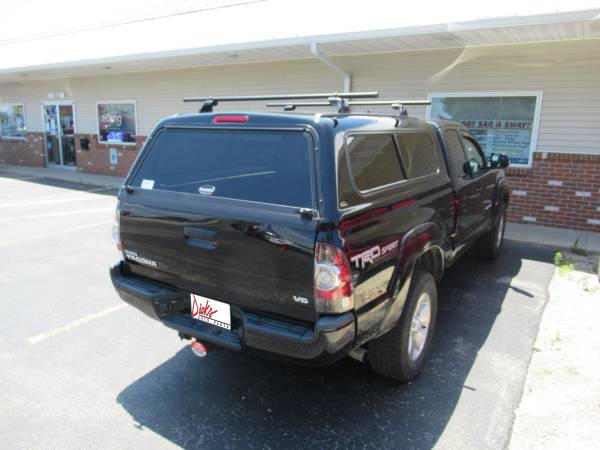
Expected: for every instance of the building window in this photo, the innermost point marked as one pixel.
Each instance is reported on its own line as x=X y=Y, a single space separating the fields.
x=505 y=122
x=116 y=122
x=12 y=120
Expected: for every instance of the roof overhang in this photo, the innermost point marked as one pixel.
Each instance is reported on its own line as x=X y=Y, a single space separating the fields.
x=483 y=32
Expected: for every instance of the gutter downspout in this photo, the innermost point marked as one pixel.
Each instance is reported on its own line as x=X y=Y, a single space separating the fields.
x=314 y=49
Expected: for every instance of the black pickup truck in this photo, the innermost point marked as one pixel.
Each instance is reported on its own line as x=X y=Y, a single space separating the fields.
x=305 y=237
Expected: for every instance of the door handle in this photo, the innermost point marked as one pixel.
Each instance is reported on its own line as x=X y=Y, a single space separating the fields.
x=199 y=233
x=200 y=237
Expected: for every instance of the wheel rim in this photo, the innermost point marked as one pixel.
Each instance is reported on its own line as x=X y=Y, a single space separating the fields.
x=500 y=232
x=419 y=328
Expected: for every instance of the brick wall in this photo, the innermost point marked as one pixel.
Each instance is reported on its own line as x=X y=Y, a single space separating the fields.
x=97 y=158
x=26 y=152
x=559 y=190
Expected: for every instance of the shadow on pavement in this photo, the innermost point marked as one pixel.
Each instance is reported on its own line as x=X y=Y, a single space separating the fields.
x=64 y=184
x=230 y=400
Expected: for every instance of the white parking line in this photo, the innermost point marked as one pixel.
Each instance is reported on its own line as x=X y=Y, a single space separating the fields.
x=68 y=213
x=76 y=323
x=53 y=233
x=53 y=199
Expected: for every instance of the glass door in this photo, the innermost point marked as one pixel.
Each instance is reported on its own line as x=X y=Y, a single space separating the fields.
x=67 y=134
x=52 y=134
x=59 y=127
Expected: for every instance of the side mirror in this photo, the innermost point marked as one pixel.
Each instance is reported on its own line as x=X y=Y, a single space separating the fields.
x=499 y=160
x=475 y=166
x=467 y=169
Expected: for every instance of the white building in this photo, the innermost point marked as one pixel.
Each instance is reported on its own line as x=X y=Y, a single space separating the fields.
x=528 y=84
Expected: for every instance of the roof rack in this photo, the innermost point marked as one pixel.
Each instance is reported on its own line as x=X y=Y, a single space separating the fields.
x=399 y=105
x=335 y=98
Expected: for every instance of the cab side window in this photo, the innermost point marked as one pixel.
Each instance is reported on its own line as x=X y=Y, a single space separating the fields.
x=374 y=161
x=474 y=154
x=369 y=162
x=456 y=155
x=417 y=154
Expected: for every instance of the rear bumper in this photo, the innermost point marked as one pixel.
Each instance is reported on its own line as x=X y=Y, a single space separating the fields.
x=326 y=341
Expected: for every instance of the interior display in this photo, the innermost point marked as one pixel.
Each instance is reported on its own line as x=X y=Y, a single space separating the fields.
x=116 y=122
x=12 y=120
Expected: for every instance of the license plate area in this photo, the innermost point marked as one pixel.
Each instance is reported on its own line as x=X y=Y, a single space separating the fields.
x=210 y=311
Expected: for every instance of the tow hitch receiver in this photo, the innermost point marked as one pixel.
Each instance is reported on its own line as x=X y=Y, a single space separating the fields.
x=199 y=349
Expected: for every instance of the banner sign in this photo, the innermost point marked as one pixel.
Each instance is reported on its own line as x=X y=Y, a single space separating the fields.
x=512 y=137
x=500 y=124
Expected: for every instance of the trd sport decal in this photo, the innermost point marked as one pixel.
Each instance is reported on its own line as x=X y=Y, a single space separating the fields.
x=369 y=256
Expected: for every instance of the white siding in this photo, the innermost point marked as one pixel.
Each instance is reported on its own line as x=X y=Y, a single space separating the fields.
x=568 y=74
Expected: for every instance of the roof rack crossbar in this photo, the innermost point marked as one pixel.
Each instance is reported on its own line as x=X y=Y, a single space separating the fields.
x=340 y=102
x=344 y=106
x=392 y=102
x=352 y=103
x=252 y=98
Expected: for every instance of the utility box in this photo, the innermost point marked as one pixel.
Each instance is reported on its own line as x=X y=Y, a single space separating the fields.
x=114 y=156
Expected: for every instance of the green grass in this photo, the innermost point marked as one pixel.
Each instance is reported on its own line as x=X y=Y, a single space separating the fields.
x=564 y=266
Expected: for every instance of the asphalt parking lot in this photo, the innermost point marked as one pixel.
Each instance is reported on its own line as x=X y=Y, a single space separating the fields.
x=82 y=370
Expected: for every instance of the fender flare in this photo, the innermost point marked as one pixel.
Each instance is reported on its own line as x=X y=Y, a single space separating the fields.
x=501 y=195
x=414 y=244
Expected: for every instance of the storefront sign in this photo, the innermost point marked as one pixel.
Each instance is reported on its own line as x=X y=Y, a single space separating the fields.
x=512 y=137
x=501 y=124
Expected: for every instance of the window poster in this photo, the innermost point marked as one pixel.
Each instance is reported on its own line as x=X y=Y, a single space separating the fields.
x=116 y=122
x=500 y=124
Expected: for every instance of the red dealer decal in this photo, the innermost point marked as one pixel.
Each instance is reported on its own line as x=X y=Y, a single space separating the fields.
x=202 y=310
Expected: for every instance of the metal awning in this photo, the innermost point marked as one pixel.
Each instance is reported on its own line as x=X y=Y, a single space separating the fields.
x=212 y=37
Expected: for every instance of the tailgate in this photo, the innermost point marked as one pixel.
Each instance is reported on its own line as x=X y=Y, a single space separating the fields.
x=248 y=248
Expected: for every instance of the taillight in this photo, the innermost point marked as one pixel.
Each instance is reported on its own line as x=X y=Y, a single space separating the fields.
x=333 y=280
x=230 y=119
x=117 y=229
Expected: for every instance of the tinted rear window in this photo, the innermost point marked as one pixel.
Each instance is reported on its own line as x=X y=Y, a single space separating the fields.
x=373 y=161
x=262 y=166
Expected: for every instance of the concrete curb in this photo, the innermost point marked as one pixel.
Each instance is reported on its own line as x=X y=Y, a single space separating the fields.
x=559 y=238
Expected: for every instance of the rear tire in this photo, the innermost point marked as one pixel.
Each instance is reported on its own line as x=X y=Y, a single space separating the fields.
x=401 y=352
x=490 y=244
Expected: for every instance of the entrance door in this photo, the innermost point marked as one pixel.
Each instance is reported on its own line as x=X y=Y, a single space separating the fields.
x=59 y=126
